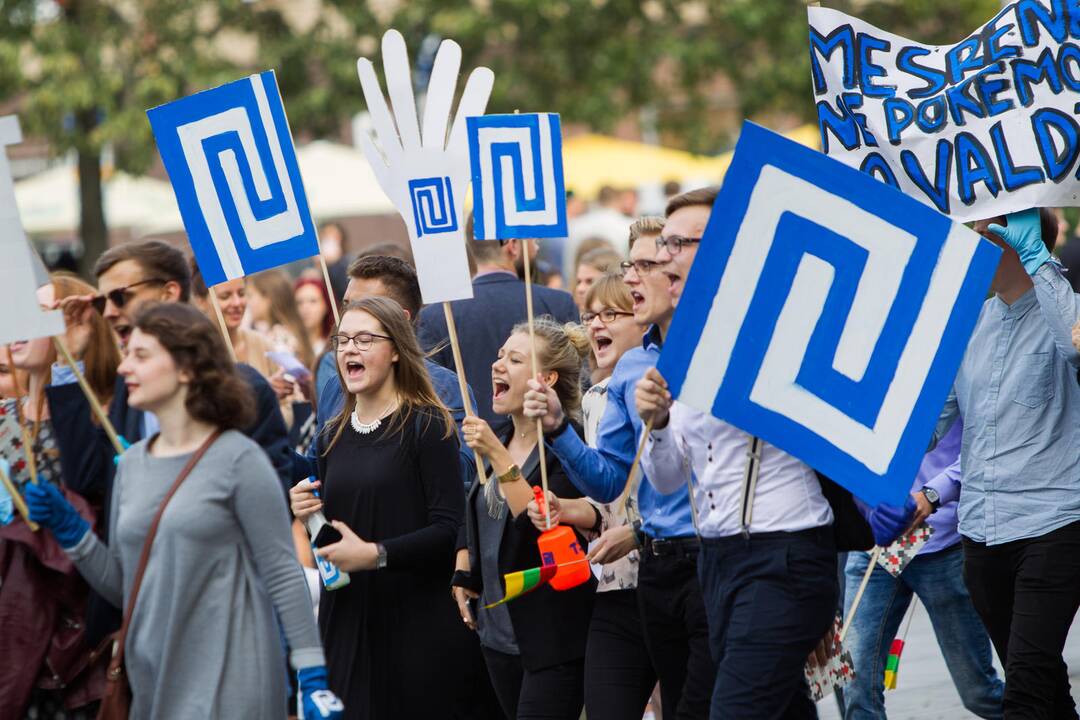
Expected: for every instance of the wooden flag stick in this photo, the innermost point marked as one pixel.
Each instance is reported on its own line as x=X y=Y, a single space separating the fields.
x=459 y=366
x=221 y=323
x=329 y=288
x=631 y=479
x=28 y=442
x=535 y=372
x=862 y=589
x=95 y=404
x=17 y=499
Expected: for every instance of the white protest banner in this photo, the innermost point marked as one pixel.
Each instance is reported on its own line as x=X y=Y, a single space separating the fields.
x=977 y=129
x=422 y=169
x=21 y=317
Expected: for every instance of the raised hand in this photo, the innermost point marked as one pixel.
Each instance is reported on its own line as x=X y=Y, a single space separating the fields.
x=652 y=398
x=49 y=508
x=542 y=402
x=1023 y=233
x=423 y=171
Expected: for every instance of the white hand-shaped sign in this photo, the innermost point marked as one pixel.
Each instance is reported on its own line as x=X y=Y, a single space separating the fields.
x=426 y=176
x=21 y=317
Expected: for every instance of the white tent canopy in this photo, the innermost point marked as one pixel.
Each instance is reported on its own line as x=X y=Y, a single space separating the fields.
x=49 y=202
x=337 y=179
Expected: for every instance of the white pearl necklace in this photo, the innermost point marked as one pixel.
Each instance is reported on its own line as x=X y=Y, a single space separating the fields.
x=368 y=428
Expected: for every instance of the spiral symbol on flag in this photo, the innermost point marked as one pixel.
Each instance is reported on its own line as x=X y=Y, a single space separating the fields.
x=517 y=172
x=433 y=206
x=830 y=317
x=230 y=156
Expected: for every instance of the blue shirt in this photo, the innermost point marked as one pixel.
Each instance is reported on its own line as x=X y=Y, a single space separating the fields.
x=332 y=399
x=935 y=473
x=601 y=473
x=1017 y=393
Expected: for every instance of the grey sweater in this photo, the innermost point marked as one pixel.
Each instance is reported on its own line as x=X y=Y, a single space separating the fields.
x=203 y=641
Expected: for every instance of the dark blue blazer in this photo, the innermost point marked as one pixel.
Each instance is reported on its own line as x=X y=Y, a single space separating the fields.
x=483 y=324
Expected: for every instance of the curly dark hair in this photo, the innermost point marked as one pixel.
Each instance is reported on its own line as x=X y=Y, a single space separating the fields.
x=217 y=394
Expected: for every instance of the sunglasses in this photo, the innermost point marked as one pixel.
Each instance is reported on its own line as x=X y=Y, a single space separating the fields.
x=120 y=296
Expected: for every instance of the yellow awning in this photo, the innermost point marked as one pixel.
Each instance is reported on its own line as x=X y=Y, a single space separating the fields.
x=593 y=161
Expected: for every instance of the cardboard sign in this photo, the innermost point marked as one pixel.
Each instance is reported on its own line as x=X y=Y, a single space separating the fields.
x=977 y=129
x=426 y=175
x=231 y=160
x=21 y=316
x=517 y=176
x=826 y=313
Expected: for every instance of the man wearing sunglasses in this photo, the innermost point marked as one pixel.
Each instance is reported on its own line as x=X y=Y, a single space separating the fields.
x=129 y=276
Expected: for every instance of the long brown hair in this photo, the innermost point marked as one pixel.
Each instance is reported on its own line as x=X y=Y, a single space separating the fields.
x=410 y=376
x=276 y=287
x=102 y=355
x=217 y=394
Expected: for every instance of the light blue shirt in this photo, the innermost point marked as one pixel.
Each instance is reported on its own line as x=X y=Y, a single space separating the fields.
x=1018 y=394
x=601 y=473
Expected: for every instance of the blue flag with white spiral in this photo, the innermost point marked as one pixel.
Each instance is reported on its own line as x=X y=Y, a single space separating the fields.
x=826 y=313
x=517 y=176
x=230 y=156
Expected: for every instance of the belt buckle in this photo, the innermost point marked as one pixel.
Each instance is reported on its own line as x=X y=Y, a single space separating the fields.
x=659 y=547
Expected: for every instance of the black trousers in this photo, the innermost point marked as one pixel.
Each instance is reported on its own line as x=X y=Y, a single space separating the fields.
x=771 y=599
x=676 y=631
x=553 y=693
x=619 y=675
x=1026 y=593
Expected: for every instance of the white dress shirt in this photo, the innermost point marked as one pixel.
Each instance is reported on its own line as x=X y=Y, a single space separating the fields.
x=788 y=496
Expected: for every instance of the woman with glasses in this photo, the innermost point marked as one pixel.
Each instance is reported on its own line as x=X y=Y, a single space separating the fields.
x=391 y=485
x=42 y=597
x=619 y=675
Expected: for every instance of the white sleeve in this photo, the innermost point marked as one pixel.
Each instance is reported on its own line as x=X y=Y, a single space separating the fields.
x=666 y=460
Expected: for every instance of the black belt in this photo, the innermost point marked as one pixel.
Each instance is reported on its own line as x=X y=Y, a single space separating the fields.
x=672 y=547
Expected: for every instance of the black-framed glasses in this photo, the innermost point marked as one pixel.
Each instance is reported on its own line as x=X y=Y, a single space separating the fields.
x=120 y=296
x=607 y=316
x=674 y=243
x=642 y=267
x=360 y=341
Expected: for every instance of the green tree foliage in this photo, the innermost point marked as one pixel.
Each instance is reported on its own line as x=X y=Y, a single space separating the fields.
x=86 y=70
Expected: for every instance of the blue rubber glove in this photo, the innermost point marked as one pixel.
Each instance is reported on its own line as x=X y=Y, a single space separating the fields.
x=888 y=521
x=48 y=508
x=319 y=702
x=1024 y=235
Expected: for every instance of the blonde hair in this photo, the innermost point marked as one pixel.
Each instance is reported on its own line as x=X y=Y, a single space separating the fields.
x=610 y=291
x=410 y=376
x=562 y=349
x=646 y=225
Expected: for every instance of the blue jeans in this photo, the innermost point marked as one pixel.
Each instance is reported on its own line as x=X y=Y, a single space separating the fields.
x=938 y=581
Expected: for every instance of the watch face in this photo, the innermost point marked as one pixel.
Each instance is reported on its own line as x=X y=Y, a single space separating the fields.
x=931 y=495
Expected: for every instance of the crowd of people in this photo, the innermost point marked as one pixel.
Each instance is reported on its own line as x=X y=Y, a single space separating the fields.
x=242 y=429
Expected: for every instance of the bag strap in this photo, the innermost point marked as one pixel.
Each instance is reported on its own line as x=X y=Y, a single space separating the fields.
x=749 y=486
x=118 y=647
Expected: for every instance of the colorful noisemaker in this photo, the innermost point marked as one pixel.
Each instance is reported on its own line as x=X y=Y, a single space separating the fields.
x=892 y=665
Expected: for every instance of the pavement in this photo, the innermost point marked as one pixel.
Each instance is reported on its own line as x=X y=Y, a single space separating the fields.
x=924 y=688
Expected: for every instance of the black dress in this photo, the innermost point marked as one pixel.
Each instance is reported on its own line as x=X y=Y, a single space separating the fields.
x=393 y=636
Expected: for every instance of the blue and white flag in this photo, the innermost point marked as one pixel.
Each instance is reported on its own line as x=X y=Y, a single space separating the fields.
x=231 y=160
x=517 y=176
x=827 y=313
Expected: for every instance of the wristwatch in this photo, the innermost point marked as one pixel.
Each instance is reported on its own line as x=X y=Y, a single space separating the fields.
x=932 y=496
x=380 y=559
x=512 y=473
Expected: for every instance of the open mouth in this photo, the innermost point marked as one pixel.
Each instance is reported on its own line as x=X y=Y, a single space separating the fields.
x=123 y=332
x=354 y=369
x=498 y=389
x=637 y=299
x=602 y=343
x=673 y=279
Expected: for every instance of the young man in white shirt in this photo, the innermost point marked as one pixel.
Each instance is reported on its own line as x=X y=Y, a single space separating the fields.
x=768 y=563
